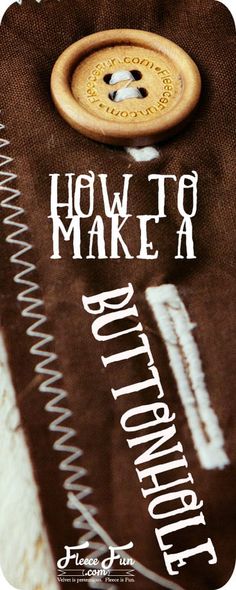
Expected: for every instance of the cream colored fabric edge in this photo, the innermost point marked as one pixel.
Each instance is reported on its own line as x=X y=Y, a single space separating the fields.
x=25 y=554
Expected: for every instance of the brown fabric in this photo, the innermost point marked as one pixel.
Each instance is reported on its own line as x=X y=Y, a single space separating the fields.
x=32 y=37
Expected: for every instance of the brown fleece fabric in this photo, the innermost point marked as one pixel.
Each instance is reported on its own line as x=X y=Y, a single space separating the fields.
x=32 y=37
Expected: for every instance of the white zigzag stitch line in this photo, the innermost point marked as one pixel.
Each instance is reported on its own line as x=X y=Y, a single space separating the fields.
x=76 y=491
x=42 y=368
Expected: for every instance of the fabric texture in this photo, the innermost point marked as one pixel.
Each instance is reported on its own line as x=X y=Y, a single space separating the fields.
x=32 y=37
x=20 y=509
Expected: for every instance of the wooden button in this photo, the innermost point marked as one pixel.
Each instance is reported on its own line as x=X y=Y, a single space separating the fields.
x=125 y=87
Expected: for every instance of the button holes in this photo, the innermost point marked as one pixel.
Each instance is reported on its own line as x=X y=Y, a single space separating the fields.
x=107 y=78
x=122 y=75
x=127 y=93
x=137 y=75
x=143 y=92
x=112 y=95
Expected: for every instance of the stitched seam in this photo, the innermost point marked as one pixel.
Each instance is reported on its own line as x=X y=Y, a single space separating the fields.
x=76 y=492
x=176 y=329
x=52 y=376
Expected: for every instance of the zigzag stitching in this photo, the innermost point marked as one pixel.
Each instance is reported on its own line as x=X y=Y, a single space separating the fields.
x=52 y=376
x=85 y=521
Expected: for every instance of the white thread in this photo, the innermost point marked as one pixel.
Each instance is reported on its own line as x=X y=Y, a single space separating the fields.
x=124 y=93
x=145 y=154
x=52 y=376
x=127 y=91
x=121 y=76
x=176 y=329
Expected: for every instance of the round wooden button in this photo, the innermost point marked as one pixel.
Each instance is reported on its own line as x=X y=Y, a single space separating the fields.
x=125 y=87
